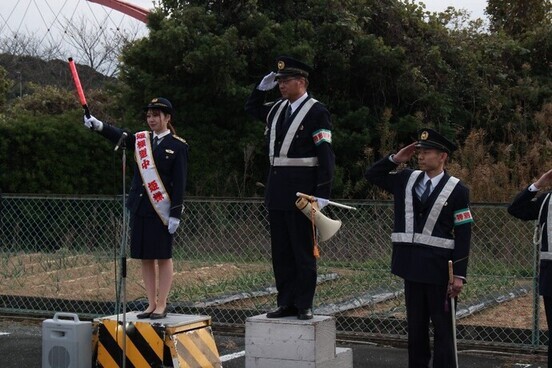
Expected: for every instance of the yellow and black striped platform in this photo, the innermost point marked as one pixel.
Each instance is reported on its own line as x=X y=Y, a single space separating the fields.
x=179 y=340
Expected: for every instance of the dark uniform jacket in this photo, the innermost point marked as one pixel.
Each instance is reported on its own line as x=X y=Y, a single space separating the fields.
x=527 y=206
x=421 y=262
x=285 y=181
x=171 y=157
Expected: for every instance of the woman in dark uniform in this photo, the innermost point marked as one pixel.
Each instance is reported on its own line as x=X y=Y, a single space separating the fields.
x=155 y=197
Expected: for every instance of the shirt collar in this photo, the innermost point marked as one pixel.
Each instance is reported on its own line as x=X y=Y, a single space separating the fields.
x=295 y=104
x=435 y=180
x=162 y=135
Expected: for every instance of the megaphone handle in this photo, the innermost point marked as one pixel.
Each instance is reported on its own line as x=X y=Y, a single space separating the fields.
x=306 y=196
x=315 y=250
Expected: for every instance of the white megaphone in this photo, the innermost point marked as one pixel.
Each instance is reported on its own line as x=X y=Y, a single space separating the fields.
x=325 y=225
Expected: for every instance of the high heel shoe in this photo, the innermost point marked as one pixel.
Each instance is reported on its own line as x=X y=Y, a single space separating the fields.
x=143 y=315
x=159 y=315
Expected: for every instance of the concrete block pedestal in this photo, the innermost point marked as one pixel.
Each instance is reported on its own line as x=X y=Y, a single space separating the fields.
x=292 y=343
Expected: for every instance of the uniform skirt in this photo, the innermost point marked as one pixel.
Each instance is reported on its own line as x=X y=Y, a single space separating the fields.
x=149 y=238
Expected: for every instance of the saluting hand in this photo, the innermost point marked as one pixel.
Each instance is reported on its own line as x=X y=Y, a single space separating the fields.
x=268 y=82
x=405 y=154
x=545 y=180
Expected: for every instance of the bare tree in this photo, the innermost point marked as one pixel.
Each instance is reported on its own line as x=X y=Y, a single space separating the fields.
x=20 y=44
x=99 y=46
x=93 y=44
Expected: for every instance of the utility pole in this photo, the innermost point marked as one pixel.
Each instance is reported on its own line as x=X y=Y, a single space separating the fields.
x=20 y=85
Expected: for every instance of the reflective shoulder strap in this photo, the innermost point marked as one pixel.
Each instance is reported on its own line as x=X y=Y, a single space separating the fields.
x=409 y=202
x=437 y=207
x=305 y=108
x=278 y=106
x=408 y=236
x=539 y=230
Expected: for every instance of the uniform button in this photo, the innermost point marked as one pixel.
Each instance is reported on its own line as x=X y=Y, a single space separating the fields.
x=141 y=194
x=275 y=172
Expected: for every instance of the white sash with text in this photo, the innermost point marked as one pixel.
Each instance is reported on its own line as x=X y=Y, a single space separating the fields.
x=157 y=194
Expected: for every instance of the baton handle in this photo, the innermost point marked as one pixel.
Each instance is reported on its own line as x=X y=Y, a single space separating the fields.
x=451 y=273
x=453 y=314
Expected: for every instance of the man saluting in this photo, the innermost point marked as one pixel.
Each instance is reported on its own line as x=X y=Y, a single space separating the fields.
x=298 y=136
x=432 y=226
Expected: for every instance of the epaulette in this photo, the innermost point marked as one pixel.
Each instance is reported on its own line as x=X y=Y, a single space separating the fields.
x=180 y=139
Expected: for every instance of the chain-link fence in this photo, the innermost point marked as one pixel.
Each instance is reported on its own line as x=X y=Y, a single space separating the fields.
x=64 y=254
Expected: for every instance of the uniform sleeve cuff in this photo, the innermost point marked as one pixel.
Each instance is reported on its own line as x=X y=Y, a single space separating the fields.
x=461 y=277
x=533 y=188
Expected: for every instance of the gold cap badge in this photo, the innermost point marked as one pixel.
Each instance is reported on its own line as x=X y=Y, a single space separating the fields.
x=281 y=65
x=424 y=135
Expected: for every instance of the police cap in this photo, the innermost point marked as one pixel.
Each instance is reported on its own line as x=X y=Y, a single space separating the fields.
x=290 y=67
x=160 y=103
x=429 y=138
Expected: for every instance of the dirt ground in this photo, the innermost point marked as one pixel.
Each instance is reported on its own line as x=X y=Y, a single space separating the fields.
x=87 y=278
x=517 y=313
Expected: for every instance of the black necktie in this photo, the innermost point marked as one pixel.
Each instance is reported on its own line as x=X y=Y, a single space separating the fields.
x=288 y=112
x=426 y=192
x=155 y=142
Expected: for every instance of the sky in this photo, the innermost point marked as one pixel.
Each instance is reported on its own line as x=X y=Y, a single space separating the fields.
x=475 y=7
x=28 y=16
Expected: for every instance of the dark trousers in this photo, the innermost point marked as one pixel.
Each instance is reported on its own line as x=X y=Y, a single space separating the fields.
x=425 y=302
x=548 y=310
x=292 y=258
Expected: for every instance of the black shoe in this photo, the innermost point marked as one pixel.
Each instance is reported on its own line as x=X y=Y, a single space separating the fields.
x=143 y=315
x=159 y=315
x=304 y=313
x=283 y=311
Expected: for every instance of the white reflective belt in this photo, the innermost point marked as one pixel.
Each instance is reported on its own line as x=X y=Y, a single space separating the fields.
x=546 y=255
x=282 y=159
x=433 y=241
x=408 y=236
x=153 y=184
x=286 y=161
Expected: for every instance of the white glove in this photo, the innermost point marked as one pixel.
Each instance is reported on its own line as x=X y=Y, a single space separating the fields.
x=173 y=224
x=93 y=123
x=268 y=82
x=322 y=202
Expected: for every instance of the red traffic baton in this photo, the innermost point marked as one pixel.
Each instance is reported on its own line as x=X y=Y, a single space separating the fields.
x=78 y=86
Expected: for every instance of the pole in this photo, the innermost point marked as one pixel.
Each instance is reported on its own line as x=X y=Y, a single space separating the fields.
x=453 y=313
x=123 y=266
x=20 y=85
